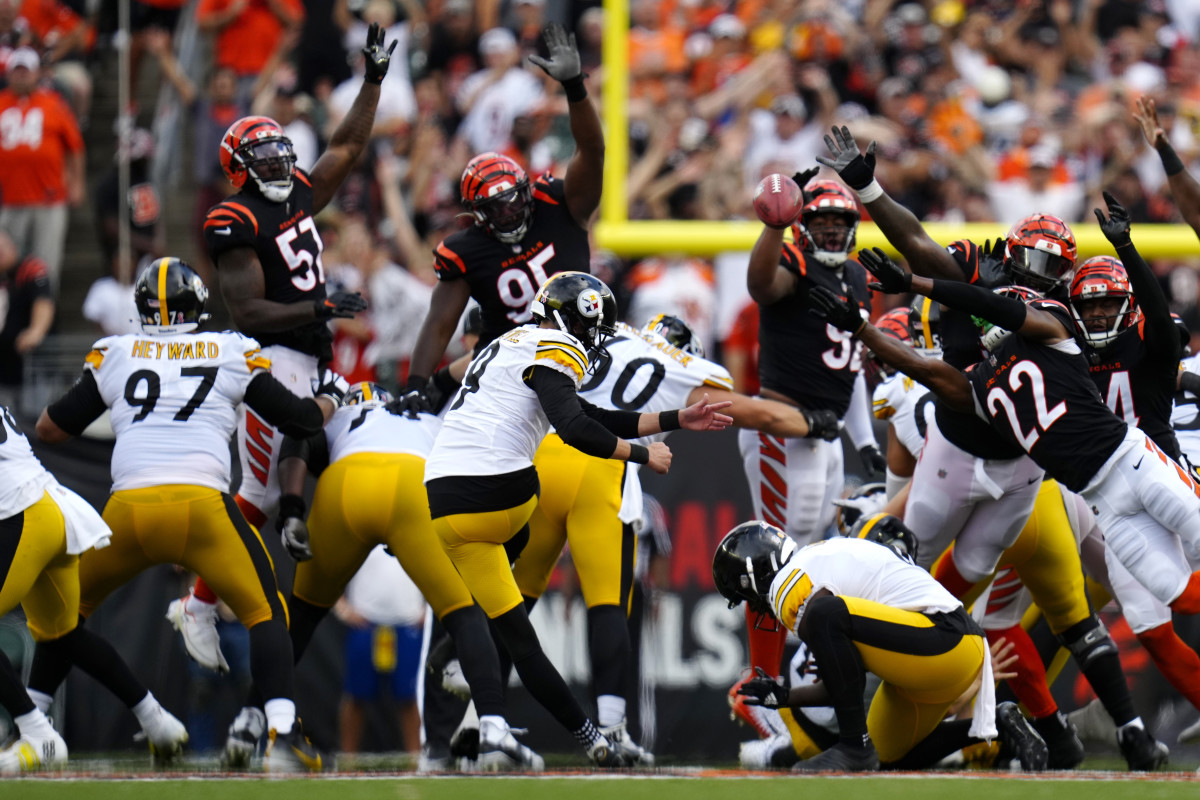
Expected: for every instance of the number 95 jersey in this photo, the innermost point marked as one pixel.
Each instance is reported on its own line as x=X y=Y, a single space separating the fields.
x=174 y=404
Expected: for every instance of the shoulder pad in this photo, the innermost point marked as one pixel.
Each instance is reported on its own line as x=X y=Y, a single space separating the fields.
x=562 y=352
x=229 y=224
x=100 y=348
x=549 y=189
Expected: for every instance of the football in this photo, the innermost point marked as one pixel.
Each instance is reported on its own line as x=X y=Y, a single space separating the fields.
x=777 y=201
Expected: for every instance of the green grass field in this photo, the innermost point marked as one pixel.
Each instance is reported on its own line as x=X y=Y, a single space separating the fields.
x=705 y=785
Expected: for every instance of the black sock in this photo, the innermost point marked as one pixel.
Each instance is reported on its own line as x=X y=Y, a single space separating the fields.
x=303 y=619
x=441 y=653
x=13 y=696
x=92 y=654
x=943 y=740
x=271 y=660
x=608 y=646
x=1050 y=726
x=537 y=673
x=478 y=657
x=1107 y=679
x=506 y=664
x=827 y=632
x=50 y=667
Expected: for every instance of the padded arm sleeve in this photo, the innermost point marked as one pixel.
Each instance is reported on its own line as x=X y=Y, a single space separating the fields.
x=79 y=407
x=566 y=413
x=1007 y=312
x=313 y=451
x=1161 y=337
x=300 y=417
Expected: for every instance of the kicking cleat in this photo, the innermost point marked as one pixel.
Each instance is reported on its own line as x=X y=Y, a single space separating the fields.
x=290 y=752
x=629 y=751
x=1019 y=740
x=603 y=754
x=499 y=750
x=766 y=721
x=197 y=622
x=32 y=752
x=773 y=753
x=1143 y=753
x=842 y=758
x=1066 y=750
x=241 y=742
x=166 y=735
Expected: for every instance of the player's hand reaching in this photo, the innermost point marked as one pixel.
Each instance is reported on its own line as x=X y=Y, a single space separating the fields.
x=802 y=179
x=1116 y=227
x=1147 y=117
x=991 y=255
x=837 y=311
x=563 y=64
x=660 y=457
x=763 y=691
x=292 y=530
x=822 y=424
x=857 y=170
x=410 y=404
x=890 y=277
x=873 y=460
x=378 y=59
x=342 y=305
x=331 y=385
x=702 y=416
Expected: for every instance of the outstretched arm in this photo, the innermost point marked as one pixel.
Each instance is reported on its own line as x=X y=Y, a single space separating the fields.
x=244 y=292
x=766 y=280
x=445 y=307
x=1184 y=187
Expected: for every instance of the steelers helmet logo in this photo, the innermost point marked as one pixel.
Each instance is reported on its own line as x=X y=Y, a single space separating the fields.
x=589 y=303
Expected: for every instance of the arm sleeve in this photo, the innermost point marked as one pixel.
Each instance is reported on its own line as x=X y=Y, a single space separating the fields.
x=858 y=416
x=313 y=451
x=1007 y=312
x=299 y=417
x=1159 y=329
x=566 y=413
x=79 y=407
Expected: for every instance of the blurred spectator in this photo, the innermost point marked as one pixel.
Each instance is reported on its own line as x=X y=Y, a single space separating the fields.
x=141 y=204
x=63 y=37
x=526 y=18
x=656 y=49
x=145 y=16
x=493 y=97
x=41 y=163
x=14 y=30
x=677 y=285
x=1012 y=199
x=248 y=31
x=788 y=134
x=452 y=54
x=322 y=61
x=384 y=613
x=287 y=105
x=26 y=313
x=739 y=351
x=397 y=105
x=590 y=38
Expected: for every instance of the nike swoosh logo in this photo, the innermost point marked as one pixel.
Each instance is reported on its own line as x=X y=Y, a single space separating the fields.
x=223 y=231
x=1139 y=463
x=1032 y=481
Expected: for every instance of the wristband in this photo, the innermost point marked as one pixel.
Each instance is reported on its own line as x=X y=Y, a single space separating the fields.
x=415 y=383
x=1171 y=162
x=638 y=454
x=291 y=505
x=668 y=420
x=575 y=89
x=444 y=381
x=872 y=191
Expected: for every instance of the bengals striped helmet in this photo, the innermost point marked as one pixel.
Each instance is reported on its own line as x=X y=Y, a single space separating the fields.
x=1098 y=280
x=495 y=189
x=894 y=324
x=257 y=148
x=833 y=239
x=1039 y=252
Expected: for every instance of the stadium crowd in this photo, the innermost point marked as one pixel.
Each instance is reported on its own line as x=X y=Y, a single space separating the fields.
x=436 y=188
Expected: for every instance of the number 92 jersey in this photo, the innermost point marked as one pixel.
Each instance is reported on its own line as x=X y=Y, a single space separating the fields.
x=174 y=404
x=505 y=277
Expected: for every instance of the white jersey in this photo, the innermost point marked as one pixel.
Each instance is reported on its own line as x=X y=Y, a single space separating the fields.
x=495 y=422
x=174 y=403
x=23 y=479
x=899 y=400
x=1185 y=416
x=371 y=428
x=855 y=568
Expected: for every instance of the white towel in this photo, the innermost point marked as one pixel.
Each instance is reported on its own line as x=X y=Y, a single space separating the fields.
x=85 y=528
x=983 y=723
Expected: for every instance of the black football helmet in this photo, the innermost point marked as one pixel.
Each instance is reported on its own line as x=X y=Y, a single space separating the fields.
x=366 y=392
x=868 y=499
x=170 y=297
x=579 y=304
x=925 y=325
x=675 y=331
x=746 y=562
x=889 y=531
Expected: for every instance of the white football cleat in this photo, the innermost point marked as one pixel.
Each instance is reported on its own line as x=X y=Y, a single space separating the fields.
x=32 y=752
x=630 y=752
x=774 y=752
x=1190 y=734
x=197 y=622
x=500 y=751
x=241 y=742
x=166 y=735
x=453 y=680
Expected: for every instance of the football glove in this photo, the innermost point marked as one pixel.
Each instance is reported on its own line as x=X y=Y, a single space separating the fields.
x=872 y=459
x=890 y=277
x=822 y=424
x=836 y=311
x=292 y=530
x=342 y=305
x=414 y=400
x=330 y=384
x=991 y=255
x=763 y=691
x=378 y=59
x=563 y=64
x=848 y=161
x=1116 y=227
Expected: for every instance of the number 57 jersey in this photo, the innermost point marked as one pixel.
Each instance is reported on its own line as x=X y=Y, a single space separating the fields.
x=174 y=404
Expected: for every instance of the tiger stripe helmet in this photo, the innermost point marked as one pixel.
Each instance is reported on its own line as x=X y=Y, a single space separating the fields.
x=1099 y=278
x=495 y=189
x=831 y=245
x=258 y=149
x=1039 y=252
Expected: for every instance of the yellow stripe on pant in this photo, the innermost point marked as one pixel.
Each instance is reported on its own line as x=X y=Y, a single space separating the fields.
x=41 y=576
x=194 y=526
x=368 y=499
x=475 y=544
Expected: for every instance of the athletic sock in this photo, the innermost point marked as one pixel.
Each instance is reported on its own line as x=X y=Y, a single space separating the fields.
x=610 y=710
x=146 y=709
x=1029 y=684
x=1175 y=660
x=766 y=645
x=1188 y=601
x=42 y=700
x=947 y=574
x=33 y=723
x=203 y=593
x=281 y=715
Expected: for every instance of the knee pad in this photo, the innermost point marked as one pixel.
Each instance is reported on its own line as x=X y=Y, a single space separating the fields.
x=1087 y=641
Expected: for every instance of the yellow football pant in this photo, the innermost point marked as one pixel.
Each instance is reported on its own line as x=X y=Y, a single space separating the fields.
x=368 y=499
x=36 y=571
x=194 y=526
x=475 y=544
x=581 y=497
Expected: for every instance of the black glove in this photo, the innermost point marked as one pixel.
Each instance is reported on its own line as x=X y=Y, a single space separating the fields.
x=851 y=165
x=340 y=304
x=331 y=385
x=873 y=460
x=802 y=179
x=763 y=691
x=563 y=64
x=991 y=255
x=292 y=530
x=1116 y=227
x=834 y=310
x=413 y=400
x=891 y=278
x=822 y=424
x=378 y=59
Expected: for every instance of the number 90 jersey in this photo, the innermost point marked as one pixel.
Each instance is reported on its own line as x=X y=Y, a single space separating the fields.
x=495 y=422
x=505 y=277
x=285 y=239
x=174 y=404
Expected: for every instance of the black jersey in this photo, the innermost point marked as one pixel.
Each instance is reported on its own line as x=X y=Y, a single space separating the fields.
x=1137 y=382
x=285 y=239
x=505 y=277
x=1042 y=399
x=800 y=355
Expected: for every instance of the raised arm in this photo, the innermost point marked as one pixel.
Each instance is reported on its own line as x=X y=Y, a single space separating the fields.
x=348 y=140
x=901 y=228
x=766 y=280
x=1184 y=187
x=445 y=307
